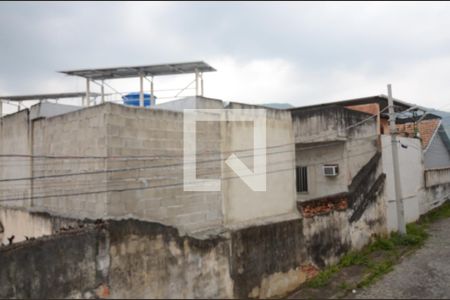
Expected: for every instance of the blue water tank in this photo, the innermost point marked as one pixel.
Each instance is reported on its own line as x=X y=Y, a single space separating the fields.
x=133 y=99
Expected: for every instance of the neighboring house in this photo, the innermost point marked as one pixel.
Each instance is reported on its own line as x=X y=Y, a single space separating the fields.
x=338 y=169
x=329 y=151
x=352 y=133
x=374 y=105
x=434 y=139
x=344 y=128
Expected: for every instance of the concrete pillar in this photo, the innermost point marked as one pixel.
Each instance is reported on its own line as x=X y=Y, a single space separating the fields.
x=201 y=84
x=197 y=77
x=103 y=91
x=1 y=108
x=152 y=97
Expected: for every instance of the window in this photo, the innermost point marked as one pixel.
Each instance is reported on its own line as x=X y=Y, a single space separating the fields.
x=302 y=179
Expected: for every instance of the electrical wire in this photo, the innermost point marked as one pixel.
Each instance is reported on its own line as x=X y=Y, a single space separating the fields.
x=147 y=187
x=130 y=169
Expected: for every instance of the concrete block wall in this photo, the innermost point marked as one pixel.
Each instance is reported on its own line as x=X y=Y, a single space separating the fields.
x=14 y=140
x=150 y=143
x=113 y=161
x=242 y=205
x=72 y=143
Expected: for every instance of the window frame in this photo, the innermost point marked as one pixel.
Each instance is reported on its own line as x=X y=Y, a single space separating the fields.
x=301 y=179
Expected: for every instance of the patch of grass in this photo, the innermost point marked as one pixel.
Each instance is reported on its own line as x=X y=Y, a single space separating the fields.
x=323 y=277
x=380 y=243
x=416 y=235
x=353 y=258
x=436 y=214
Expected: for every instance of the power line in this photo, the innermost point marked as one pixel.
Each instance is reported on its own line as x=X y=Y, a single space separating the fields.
x=131 y=189
x=157 y=166
x=140 y=168
x=171 y=185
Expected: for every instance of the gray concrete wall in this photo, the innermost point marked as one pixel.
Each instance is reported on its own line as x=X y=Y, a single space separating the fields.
x=62 y=266
x=148 y=260
x=14 y=140
x=65 y=146
x=437 y=189
x=152 y=140
x=48 y=109
x=136 y=259
x=112 y=161
x=434 y=197
x=241 y=203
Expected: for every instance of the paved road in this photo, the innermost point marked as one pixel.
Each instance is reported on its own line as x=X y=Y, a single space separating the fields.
x=424 y=274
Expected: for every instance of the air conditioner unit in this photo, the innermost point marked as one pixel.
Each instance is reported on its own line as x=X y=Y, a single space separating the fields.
x=330 y=170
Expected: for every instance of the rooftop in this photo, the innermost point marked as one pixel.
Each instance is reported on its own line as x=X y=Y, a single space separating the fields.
x=382 y=100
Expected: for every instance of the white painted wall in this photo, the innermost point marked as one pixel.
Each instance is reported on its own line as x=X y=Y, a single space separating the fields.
x=411 y=175
x=21 y=223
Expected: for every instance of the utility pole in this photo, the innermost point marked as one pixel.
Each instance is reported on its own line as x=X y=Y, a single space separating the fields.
x=397 y=182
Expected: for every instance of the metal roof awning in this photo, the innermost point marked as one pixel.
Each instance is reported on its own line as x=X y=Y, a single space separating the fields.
x=382 y=100
x=46 y=96
x=137 y=71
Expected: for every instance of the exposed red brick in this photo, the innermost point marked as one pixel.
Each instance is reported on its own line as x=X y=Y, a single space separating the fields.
x=310 y=271
x=426 y=130
x=323 y=205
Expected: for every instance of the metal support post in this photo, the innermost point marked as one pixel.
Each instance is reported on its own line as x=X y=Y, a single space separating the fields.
x=103 y=91
x=87 y=99
x=141 y=90
x=152 y=96
x=196 y=82
x=201 y=85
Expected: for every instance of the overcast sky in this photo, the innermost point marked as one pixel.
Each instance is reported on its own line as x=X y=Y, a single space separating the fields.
x=301 y=53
